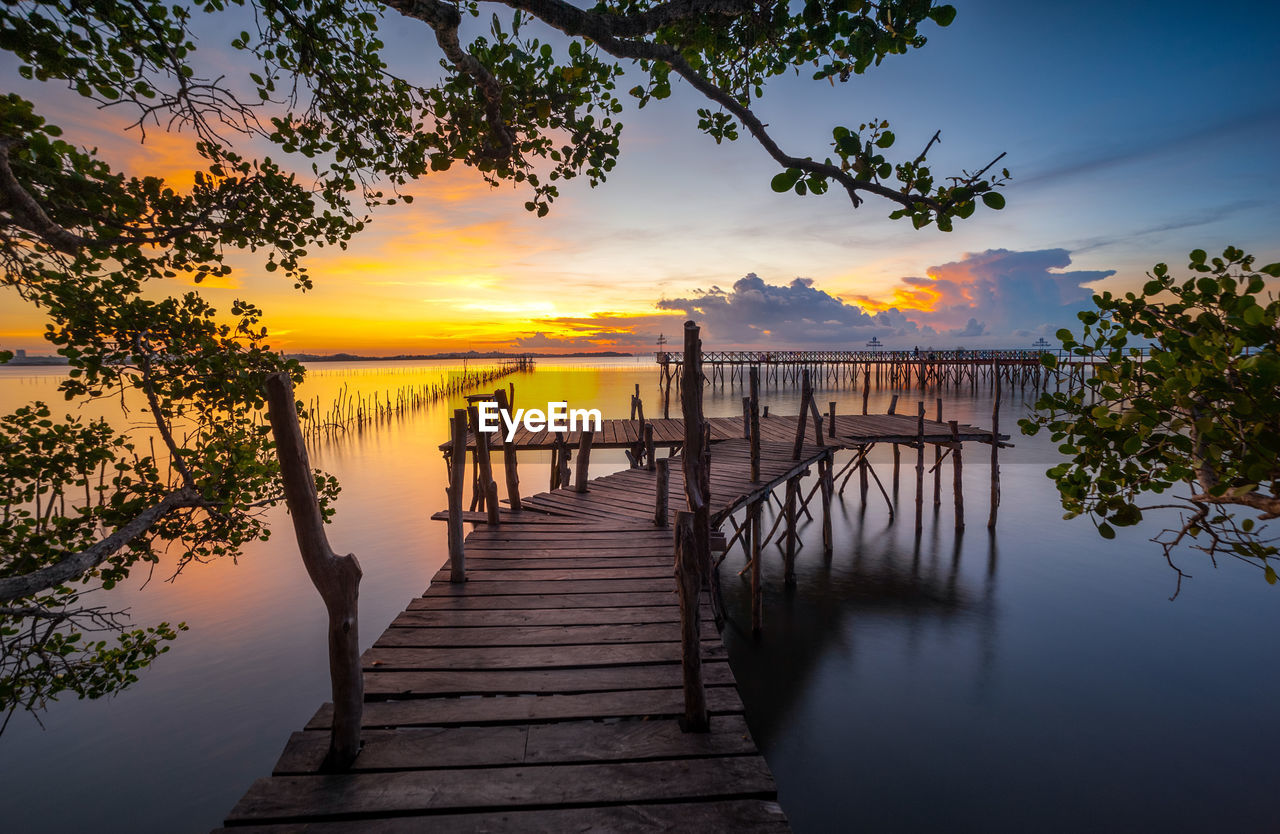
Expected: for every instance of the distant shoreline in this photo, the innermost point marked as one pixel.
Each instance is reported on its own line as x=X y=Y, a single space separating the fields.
x=471 y=354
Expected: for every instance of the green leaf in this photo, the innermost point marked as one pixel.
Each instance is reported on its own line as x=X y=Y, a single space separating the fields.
x=943 y=15
x=1198 y=256
x=1270 y=575
x=785 y=180
x=993 y=200
x=1105 y=530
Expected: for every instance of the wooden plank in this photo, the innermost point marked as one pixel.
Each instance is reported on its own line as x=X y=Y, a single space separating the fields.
x=532 y=573
x=526 y=657
x=590 y=586
x=535 y=682
x=288 y=798
x=437 y=712
x=577 y=635
x=749 y=816
x=422 y=748
x=512 y=601
x=521 y=619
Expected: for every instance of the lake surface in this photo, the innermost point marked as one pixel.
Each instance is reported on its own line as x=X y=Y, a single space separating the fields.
x=1037 y=679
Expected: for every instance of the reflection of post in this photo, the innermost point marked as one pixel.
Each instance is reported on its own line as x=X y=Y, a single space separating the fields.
x=457 y=471
x=757 y=598
x=337 y=578
x=995 y=449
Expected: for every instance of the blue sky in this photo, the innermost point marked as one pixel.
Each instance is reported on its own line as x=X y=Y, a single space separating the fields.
x=1135 y=132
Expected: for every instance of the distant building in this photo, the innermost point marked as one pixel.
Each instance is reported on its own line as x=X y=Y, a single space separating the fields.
x=19 y=354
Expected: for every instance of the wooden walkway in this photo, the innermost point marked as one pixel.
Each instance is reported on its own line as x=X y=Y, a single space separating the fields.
x=851 y=430
x=542 y=695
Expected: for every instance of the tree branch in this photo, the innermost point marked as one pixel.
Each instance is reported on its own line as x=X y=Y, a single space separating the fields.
x=76 y=564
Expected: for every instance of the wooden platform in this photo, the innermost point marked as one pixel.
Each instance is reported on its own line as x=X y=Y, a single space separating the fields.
x=542 y=694
x=851 y=430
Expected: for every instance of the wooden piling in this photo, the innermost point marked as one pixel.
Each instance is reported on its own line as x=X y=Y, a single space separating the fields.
x=789 y=509
x=582 y=475
x=457 y=471
x=509 y=463
x=649 y=449
x=920 y=468
x=689 y=585
x=486 y=482
x=755 y=425
x=995 y=450
x=831 y=416
x=957 y=474
x=662 y=488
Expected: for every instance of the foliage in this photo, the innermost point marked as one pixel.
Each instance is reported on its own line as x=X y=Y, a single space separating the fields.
x=97 y=251
x=1195 y=420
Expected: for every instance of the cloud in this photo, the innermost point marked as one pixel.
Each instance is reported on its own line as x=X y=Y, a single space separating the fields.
x=999 y=293
x=756 y=313
x=971 y=329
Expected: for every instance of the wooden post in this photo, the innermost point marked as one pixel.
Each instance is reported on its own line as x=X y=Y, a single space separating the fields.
x=806 y=394
x=509 y=453
x=789 y=509
x=565 y=457
x=893 y=405
x=866 y=385
x=584 y=460
x=662 y=482
x=755 y=425
x=689 y=585
x=937 y=465
x=995 y=450
x=649 y=449
x=757 y=597
x=920 y=468
x=957 y=475
x=337 y=578
x=486 y=481
x=697 y=475
x=817 y=421
x=831 y=415
x=457 y=471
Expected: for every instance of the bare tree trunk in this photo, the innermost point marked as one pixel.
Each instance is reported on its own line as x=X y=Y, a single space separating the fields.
x=337 y=578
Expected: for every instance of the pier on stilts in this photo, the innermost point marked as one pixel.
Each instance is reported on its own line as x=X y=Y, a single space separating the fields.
x=563 y=671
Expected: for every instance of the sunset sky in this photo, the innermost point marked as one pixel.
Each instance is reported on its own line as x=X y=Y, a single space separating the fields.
x=1135 y=132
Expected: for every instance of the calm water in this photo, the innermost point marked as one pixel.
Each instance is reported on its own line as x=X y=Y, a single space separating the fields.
x=1038 y=679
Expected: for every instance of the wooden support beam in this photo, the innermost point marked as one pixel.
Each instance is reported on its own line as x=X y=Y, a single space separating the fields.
x=825 y=467
x=831 y=416
x=920 y=468
x=337 y=578
x=937 y=468
x=486 y=482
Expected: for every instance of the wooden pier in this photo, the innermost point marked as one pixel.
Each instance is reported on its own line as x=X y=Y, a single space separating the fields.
x=563 y=672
